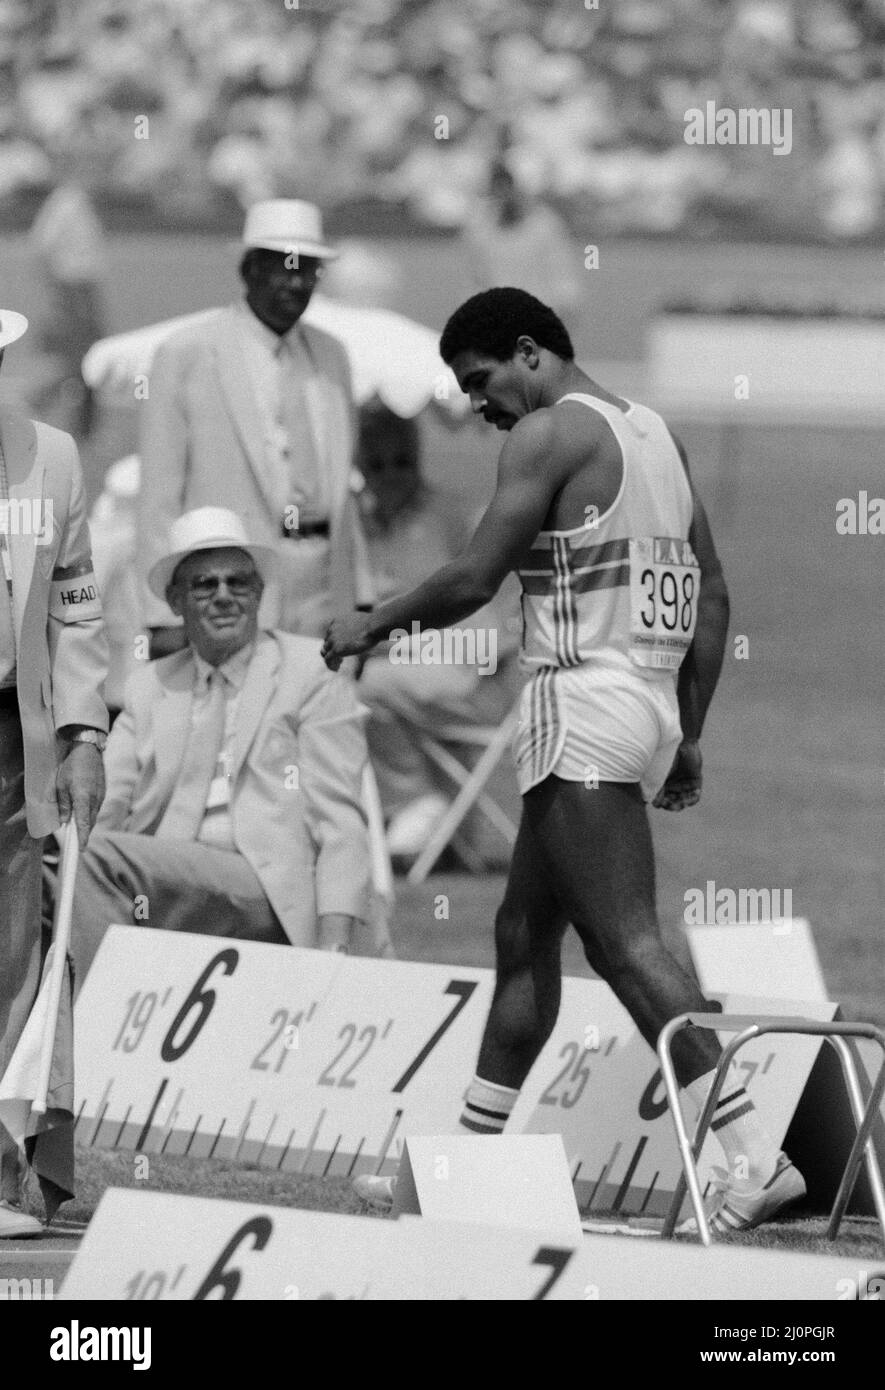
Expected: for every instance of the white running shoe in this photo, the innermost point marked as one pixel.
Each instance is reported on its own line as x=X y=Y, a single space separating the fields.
x=376 y=1192
x=16 y=1224
x=731 y=1209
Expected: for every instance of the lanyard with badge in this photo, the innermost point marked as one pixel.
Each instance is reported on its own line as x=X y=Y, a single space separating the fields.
x=5 y=556
x=7 y=562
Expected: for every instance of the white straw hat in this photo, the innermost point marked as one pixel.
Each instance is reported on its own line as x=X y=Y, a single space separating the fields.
x=206 y=528
x=12 y=326
x=287 y=224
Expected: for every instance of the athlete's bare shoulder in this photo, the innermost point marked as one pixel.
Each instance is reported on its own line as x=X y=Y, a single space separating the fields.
x=579 y=427
x=536 y=428
x=557 y=434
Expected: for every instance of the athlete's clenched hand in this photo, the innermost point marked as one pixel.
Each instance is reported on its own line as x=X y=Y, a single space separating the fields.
x=349 y=636
x=683 y=785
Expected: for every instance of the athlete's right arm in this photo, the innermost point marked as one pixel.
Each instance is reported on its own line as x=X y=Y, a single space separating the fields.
x=531 y=470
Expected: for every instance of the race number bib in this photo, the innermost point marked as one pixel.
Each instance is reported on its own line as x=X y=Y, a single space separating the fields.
x=665 y=581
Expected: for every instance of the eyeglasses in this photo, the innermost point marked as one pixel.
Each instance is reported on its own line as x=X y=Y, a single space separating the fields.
x=304 y=274
x=205 y=586
x=390 y=465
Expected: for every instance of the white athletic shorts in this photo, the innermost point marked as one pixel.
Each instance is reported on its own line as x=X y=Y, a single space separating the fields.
x=596 y=724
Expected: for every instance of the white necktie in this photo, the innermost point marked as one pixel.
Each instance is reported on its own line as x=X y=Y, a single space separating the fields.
x=293 y=417
x=187 y=805
x=7 y=621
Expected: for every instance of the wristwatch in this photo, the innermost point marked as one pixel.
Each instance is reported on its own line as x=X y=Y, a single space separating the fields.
x=91 y=736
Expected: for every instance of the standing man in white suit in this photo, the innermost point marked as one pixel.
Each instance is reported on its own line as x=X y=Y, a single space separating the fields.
x=53 y=724
x=253 y=409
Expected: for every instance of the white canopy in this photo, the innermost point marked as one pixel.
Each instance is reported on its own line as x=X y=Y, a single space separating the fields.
x=391 y=356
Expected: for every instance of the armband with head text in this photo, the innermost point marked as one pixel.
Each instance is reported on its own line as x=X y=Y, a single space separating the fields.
x=73 y=594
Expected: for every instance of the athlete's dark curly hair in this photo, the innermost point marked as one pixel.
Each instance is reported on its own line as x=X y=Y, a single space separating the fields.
x=492 y=321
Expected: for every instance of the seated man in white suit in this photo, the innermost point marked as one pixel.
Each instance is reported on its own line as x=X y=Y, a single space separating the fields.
x=233 y=800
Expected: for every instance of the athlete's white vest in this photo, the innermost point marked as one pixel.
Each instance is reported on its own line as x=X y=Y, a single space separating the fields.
x=622 y=589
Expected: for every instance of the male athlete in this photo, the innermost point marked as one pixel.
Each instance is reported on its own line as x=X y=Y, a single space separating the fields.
x=625 y=614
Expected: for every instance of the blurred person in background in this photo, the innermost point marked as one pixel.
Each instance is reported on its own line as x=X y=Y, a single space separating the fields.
x=112 y=527
x=363 y=275
x=340 y=104
x=411 y=530
x=252 y=408
x=70 y=255
x=512 y=239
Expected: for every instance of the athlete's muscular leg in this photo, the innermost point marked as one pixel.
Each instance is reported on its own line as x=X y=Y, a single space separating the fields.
x=529 y=927
x=597 y=846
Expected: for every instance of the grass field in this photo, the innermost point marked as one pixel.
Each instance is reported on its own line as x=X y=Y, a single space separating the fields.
x=794 y=758
x=102 y=1168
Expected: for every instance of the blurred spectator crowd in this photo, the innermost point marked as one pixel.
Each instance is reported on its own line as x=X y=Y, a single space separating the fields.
x=407 y=103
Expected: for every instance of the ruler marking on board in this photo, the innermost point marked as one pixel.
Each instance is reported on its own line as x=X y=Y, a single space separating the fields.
x=632 y=1192
x=606 y=1169
x=592 y=1196
x=311 y=1143
x=99 y=1112
x=174 y=1111
x=122 y=1126
x=266 y=1137
x=388 y=1139
x=286 y=1149
x=193 y=1135
x=332 y=1155
x=140 y=1141
x=217 y=1137
x=624 y=1189
x=244 y=1129
x=169 y=1127
x=99 y=1123
x=647 y=1197
x=356 y=1156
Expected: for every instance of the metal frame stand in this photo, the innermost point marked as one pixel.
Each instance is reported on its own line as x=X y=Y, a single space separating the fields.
x=747 y=1027
x=494 y=742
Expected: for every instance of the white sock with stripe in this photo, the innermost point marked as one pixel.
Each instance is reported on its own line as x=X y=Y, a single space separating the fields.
x=749 y=1152
x=487 y=1107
